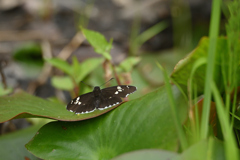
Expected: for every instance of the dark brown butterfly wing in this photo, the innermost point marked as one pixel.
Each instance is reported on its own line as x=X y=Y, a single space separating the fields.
x=82 y=104
x=111 y=96
x=100 y=99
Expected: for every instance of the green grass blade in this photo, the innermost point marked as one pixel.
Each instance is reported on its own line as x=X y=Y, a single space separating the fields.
x=230 y=144
x=193 y=90
x=146 y=35
x=181 y=134
x=214 y=29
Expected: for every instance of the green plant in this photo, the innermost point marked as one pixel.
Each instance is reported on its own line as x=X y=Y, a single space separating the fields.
x=153 y=125
x=76 y=72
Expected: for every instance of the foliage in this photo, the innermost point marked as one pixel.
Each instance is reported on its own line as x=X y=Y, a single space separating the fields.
x=115 y=132
x=30 y=54
x=75 y=72
x=181 y=73
x=98 y=42
x=168 y=123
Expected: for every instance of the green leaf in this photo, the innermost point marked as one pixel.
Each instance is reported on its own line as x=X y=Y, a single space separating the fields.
x=60 y=64
x=64 y=83
x=78 y=71
x=29 y=54
x=87 y=67
x=98 y=42
x=23 y=105
x=206 y=149
x=128 y=64
x=181 y=72
x=12 y=144
x=147 y=154
x=142 y=123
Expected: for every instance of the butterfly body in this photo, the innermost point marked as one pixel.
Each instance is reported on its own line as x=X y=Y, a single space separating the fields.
x=99 y=99
x=96 y=91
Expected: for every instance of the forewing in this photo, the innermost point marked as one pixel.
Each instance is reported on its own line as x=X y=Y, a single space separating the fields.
x=119 y=91
x=111 y=96
x=82 y=104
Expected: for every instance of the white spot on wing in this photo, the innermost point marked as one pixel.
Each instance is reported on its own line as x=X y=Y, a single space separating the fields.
x=126 y=95
x=79 y=103
x=119 y=88
x=116 y=92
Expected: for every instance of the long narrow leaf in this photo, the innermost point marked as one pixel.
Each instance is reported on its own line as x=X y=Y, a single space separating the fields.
x=230 y=144
x=214 y=28
x=174 y=109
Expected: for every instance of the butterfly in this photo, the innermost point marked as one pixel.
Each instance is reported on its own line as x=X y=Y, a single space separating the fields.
x=100 y=99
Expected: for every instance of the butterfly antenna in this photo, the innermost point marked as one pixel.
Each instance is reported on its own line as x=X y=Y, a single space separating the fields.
x=86 y=84
x=107 y=81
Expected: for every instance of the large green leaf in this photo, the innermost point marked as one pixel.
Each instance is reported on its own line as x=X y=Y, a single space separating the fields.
x=183 y=69
x=23 y=105
x=12 y=144
x=142 y=123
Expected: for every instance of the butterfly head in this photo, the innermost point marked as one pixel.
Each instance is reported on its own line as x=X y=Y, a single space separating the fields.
x=96 y=91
